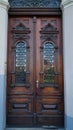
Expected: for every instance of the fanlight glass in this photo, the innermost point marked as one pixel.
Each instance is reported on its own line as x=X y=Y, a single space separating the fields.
x=34 y=3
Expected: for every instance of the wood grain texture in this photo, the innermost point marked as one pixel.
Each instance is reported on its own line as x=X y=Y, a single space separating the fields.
x=28 y=105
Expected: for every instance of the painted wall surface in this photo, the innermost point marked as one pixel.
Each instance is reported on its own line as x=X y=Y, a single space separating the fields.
x=68 y=62
x=3 y=59
x=2 y=101
x=4 y=0
x=3 y=38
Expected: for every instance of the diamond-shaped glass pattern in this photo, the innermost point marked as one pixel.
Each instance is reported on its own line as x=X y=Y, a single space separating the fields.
x=20 y=62
x=49 y=62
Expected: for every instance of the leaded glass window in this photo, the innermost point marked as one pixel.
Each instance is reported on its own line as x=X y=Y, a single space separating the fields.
x=21 y=62
x=49 y=62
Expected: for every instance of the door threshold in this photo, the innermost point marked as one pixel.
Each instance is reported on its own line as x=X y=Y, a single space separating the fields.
x=35 y=128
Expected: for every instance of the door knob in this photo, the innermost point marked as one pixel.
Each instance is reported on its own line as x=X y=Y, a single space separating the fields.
x=37 y=83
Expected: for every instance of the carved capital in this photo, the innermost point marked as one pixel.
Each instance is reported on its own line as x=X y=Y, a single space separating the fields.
x=4 y=4
x=66 y=4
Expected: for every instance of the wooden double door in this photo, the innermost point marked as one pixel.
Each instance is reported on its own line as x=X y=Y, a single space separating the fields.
x=35 y=72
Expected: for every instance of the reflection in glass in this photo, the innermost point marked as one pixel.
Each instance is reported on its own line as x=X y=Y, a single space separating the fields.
x=49 y=62
x=20 y=62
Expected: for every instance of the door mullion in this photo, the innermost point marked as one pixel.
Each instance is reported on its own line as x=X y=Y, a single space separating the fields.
x=34 y=67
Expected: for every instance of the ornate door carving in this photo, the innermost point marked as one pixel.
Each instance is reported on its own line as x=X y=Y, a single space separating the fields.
x=35 y=72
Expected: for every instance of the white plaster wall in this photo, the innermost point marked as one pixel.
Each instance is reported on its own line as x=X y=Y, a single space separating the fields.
x=68 y=56
x=68 y=61
x=3 y=39
x=4 y=0
x=3 y=34
x=64 y=0
x=3 y=59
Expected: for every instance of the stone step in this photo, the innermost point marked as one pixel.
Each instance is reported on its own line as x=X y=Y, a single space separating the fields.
x=31 y=129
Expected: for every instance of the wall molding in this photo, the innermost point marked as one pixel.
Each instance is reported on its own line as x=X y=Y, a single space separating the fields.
x=66 y=4
x=5 y=5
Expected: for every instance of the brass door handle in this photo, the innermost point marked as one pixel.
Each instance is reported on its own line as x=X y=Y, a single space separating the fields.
x=37 y=83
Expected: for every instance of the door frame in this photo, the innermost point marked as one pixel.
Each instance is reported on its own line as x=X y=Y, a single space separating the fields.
x=36 y=12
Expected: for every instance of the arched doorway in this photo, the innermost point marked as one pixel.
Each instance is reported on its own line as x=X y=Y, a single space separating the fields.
x=35 y=64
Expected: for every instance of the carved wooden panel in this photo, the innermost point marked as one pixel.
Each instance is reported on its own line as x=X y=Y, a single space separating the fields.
x=50 y=110
x=49 y=57
x=35 y=72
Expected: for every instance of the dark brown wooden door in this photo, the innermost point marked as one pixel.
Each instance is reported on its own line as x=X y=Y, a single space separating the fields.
x=35 y=72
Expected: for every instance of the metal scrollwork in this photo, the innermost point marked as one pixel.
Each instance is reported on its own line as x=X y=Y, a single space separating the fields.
x=21 y=62
x=35 y=3
x=49 y=62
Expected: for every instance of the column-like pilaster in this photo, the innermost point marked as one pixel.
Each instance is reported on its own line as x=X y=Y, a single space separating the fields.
x=3 y=60
x=67 y=9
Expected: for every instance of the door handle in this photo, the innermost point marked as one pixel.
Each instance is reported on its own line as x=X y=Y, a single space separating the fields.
x=37 y=83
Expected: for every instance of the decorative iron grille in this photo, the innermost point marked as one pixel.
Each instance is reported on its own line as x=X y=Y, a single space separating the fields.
x=21 y=62
x=35 y=3
x=49 y=62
